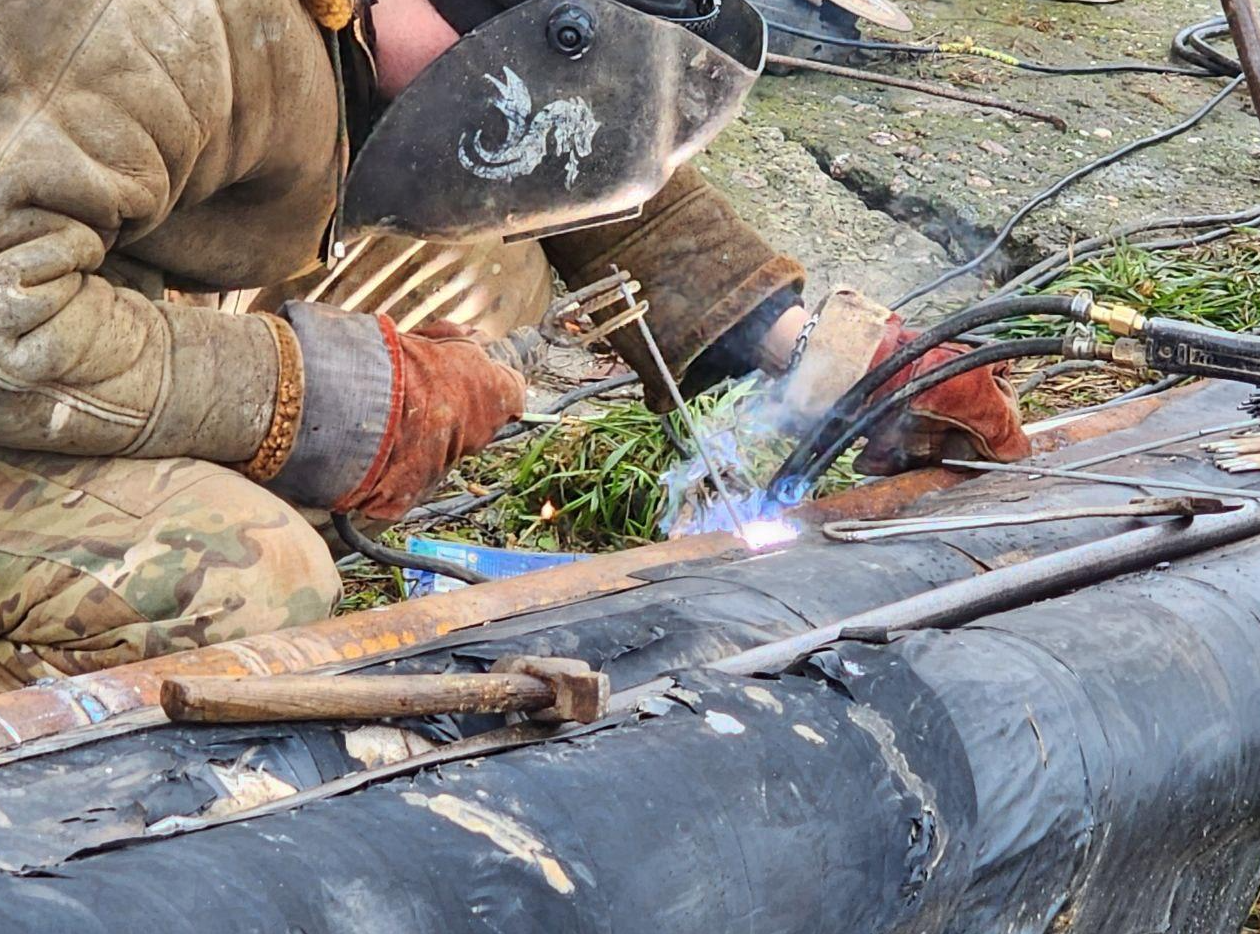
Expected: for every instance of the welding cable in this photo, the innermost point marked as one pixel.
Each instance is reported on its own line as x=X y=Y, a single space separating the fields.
x=1072 y=177
x=832 y=425
x=396 y=558
x=967 y=49
x=790 y=485
x=1192 y=45
x=567 y=401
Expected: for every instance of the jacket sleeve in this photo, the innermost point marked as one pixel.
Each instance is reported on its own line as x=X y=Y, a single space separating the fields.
x=111 y=112
x=703 y=271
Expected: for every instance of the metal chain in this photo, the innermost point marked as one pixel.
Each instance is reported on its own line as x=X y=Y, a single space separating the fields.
x=802 y=339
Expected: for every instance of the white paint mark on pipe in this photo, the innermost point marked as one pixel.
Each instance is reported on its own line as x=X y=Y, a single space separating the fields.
x=805 y=732
x=763 y=697
x=508 y=835
x=723 y=723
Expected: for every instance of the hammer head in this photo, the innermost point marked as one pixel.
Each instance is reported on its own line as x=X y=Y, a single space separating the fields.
x=581 y=694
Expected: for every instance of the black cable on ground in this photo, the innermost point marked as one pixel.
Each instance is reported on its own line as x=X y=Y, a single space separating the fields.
x=393 y=557
x=567 y=401
x=1036 y=379
x=834 y=423
x=958 y=49
x=791 y=487
x=1054 y=190
x=1192 y=45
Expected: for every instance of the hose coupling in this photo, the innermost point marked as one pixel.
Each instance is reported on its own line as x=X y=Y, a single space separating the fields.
x=1082 y=306
x=1130 y=353
x=1121 y=320
x=1078 y=345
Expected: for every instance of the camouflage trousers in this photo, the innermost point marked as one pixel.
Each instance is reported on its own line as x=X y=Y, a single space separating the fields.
x=105 y=561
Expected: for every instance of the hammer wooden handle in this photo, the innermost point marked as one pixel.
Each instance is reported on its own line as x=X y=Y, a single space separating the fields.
x=312 y=697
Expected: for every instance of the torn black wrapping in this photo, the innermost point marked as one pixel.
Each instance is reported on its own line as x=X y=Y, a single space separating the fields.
x=1092 y=759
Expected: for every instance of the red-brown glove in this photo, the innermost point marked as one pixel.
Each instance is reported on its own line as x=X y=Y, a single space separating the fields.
x=976 y=413
x=385 y=415
x=454 y=399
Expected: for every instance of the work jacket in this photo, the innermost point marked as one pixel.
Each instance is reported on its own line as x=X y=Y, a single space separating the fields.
x=151 y=145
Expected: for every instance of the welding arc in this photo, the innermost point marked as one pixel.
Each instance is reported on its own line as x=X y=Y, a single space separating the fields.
x=1054 y=190
x=393 y=557
x=958 y=49
x=833 y=425
x=787 y=482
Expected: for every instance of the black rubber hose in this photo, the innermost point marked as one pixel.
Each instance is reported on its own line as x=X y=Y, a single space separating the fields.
x=1053 y=191
x=1191 y=45
x=1114 y=68
x=832 y=425
x=790 y=488
x=393 y=557
x=1082 y=250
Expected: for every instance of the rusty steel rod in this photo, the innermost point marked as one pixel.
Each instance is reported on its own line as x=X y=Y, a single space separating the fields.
x=1244 y=26
x=923 y=87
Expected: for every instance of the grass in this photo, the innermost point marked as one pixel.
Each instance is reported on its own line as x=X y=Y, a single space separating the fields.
x=594 y=483
x=1216 y=285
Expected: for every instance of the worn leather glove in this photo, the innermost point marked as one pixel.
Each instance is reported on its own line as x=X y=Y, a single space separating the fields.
x=385 y=415
x=976 y=413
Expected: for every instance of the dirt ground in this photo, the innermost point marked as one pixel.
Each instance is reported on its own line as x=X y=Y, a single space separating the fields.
x=885 y=188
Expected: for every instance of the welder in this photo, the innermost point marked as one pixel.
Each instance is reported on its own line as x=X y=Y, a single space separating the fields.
x=157 y=156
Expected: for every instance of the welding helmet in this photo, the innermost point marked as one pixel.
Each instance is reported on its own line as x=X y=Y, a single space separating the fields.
x=552 y=115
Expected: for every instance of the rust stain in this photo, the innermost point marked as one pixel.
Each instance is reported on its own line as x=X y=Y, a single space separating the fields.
x=886 y=497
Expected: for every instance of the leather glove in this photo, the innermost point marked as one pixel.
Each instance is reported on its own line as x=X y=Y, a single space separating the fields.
x=386 y=415
x=976 y=413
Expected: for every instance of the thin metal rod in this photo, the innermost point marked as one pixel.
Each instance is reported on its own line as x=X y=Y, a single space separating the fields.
x=922 y=87
x=1114 y=479
x=1009 y=587
x=1162 y=442
x=654 y=349
x=870 y=531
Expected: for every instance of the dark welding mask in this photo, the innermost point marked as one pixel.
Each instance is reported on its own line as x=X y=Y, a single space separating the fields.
x=552 y=115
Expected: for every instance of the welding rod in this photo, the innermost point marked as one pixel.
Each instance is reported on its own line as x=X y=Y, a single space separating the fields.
x=654 y=349
x=1162 y=442
x=1031 y=472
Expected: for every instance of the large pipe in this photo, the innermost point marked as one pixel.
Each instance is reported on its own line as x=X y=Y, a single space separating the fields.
x=1087 y=764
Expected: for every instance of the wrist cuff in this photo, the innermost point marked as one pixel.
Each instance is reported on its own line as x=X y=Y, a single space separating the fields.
x=350 y=409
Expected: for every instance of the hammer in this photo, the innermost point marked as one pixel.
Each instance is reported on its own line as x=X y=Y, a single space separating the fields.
x=548 y=689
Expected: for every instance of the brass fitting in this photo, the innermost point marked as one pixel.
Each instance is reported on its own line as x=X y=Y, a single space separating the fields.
x=1128 y=352
x=1121 y=320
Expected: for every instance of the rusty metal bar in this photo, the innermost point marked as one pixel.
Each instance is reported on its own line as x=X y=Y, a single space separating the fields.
x=1244 y=26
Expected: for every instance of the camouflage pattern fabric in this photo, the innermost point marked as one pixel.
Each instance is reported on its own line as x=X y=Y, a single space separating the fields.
x=105 y=561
